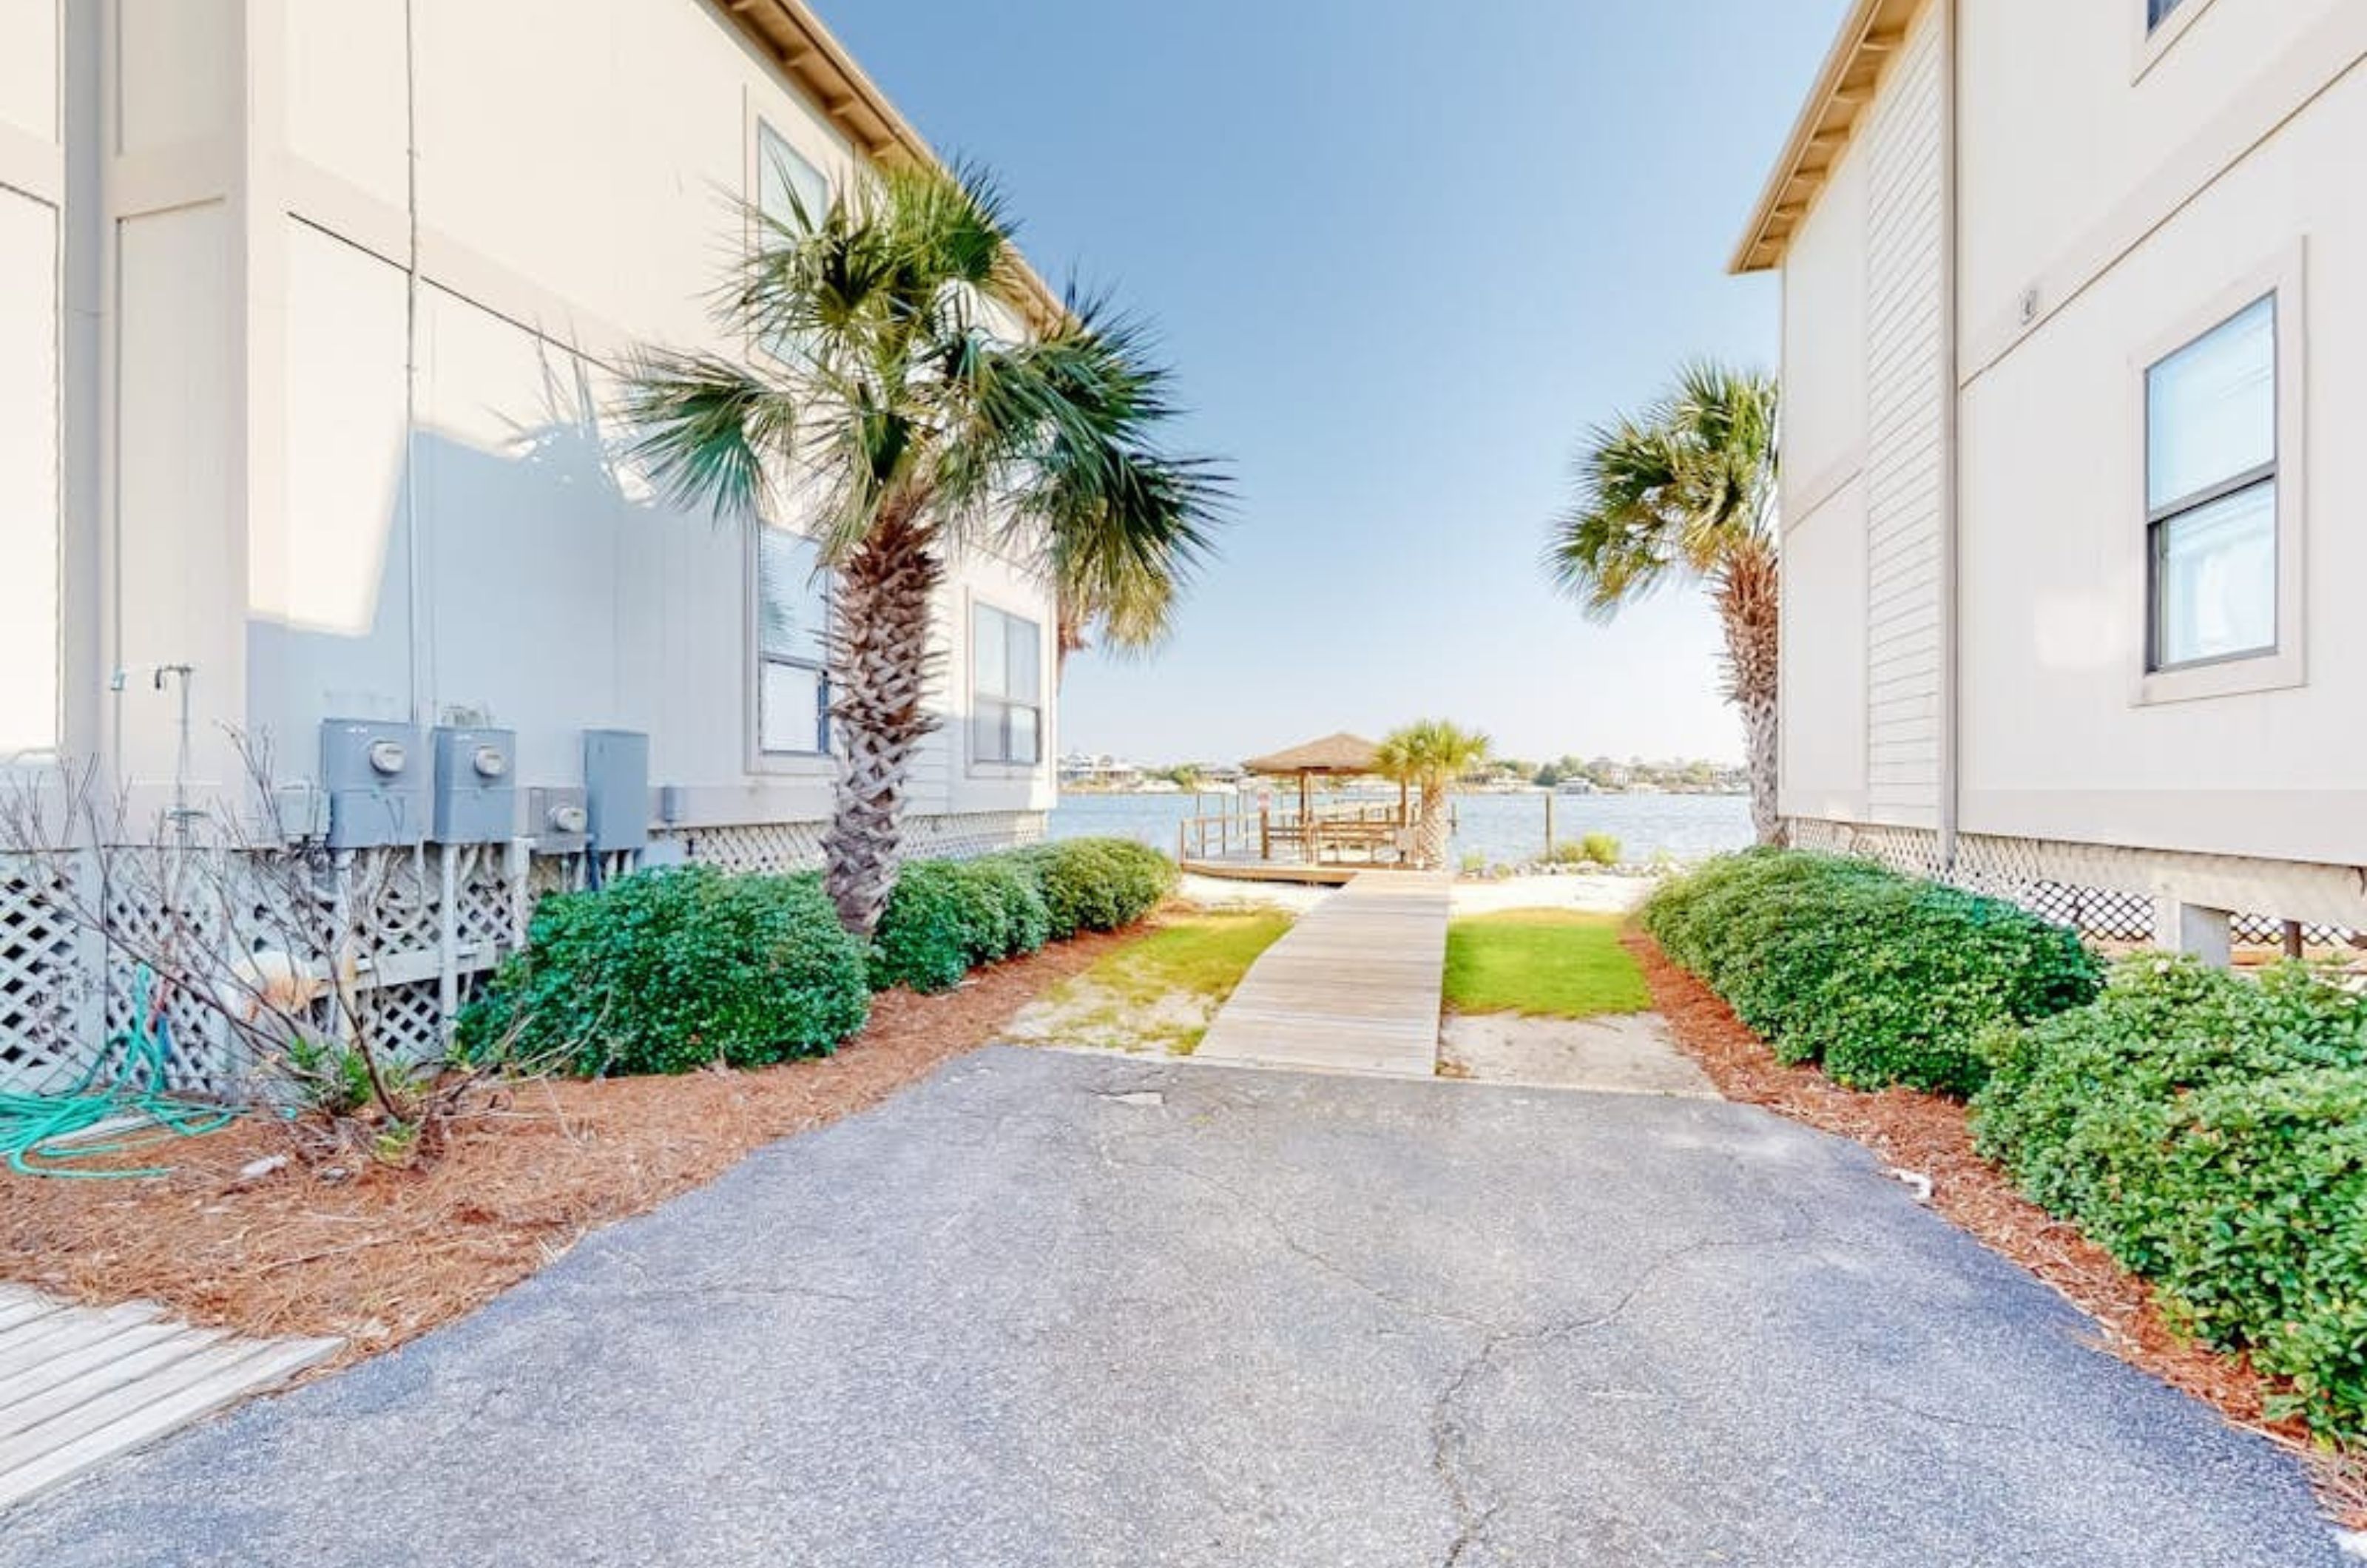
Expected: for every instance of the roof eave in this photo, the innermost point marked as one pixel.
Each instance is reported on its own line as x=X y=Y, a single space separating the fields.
x=1873 y=30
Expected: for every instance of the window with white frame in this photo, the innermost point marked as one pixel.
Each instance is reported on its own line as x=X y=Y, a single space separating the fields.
x=792 y=654
x=786 y=182
x=1006 y=687
x=2157 y=12
x=2211 y=494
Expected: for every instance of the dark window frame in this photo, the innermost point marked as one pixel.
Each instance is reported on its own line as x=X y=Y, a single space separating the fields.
x=2162 y=519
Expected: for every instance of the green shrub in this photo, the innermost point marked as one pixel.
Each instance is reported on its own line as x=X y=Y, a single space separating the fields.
x=2259 y=1199
x=2061 y=1094
x=946 y=917
x=2210 y=1131
x=1019 y=921
x=1098 y=885
x=1883 y=978
x=928 y=929
x=667 y=970
x=1595 y=849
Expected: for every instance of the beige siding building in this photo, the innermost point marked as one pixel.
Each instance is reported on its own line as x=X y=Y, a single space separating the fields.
x=310 y=314
x=2075 y=320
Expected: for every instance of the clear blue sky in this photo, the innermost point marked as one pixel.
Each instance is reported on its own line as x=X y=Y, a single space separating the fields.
x=1402 y=254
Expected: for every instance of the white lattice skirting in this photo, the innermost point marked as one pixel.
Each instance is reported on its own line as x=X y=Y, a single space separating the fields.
x=774 y=848
x=430 y=922
x=2110 y=891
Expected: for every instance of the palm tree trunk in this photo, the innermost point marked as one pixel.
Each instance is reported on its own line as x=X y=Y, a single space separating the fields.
x=1430 y=827
x=1749 y=596
x=879 y=676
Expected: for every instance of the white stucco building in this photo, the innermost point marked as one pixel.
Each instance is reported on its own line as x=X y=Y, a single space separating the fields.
x=2075 y=329
x=310 y=312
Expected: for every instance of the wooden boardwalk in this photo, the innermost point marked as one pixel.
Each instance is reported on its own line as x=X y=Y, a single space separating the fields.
x=1354 y=986
x=79 y=1385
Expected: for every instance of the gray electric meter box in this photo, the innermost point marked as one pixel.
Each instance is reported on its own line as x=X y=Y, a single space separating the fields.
x=476 y=786
x=376 y=778
x=616 y=788
x=555 y=818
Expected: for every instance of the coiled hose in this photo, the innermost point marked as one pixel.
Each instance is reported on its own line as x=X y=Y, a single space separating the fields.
x=49 y=1128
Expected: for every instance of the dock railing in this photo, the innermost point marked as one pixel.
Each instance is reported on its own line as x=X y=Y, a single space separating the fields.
x=1231 y=835
x=1342 y=834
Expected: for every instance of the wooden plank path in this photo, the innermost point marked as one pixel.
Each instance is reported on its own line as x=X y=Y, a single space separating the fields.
x=1354 y=986
x=79 y=1385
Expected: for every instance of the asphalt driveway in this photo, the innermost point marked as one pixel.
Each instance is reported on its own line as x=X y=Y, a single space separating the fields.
x=1061 y=1310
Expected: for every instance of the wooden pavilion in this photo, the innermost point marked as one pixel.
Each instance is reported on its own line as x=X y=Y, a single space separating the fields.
x=1311 y=842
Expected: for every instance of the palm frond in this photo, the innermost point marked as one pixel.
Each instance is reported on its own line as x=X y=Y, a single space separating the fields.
x=896 y=397
x=705 y=428
x=1672 y=491
x=1431 y=752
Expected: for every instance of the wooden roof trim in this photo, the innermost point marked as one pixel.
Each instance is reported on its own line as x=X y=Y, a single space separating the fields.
x=1873 y=32
x=819 y=68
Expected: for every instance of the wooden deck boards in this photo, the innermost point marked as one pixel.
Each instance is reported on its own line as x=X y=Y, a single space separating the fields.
x=1354 y=986
x=79 y=1385
x=1252 y=870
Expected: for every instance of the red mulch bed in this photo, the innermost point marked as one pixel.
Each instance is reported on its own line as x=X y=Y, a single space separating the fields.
x=382 y=1256
x=1932 y=1137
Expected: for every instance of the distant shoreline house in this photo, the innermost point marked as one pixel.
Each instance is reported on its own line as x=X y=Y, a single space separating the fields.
x=310 y=316
x=2075 y=338
x=1084 y=771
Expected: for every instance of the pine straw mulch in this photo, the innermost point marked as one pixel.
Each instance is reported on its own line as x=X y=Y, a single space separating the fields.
x=380 y=1255
x=1932 y=1137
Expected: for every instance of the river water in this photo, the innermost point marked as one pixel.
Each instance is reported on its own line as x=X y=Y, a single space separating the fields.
x=1507 y=828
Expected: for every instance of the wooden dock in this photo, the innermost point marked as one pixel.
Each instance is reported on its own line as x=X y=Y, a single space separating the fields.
x=79 y=1385
x=1354 y=986
x=1280 y=871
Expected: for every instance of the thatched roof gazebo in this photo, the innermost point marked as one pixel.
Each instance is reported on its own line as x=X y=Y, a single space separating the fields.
x=1334 y=756
x=1341 y=755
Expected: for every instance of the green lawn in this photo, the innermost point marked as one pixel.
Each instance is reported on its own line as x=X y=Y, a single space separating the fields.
x=1159 y=993
x=1203 y=955
x=1542 y=963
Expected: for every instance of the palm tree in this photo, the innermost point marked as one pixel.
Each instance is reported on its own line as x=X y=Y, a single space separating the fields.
x=1687 y=490
x=1431 y=754
x=915 y=433
x=1126 y=603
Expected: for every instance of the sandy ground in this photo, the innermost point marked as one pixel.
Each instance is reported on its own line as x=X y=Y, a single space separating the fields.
x=1601 y=894
x=1224 y=893
x=1083 y=1016
x=1629 y=1054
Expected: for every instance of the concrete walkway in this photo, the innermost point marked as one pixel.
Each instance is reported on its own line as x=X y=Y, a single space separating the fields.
x=1077 y=1311
x=1354 y=986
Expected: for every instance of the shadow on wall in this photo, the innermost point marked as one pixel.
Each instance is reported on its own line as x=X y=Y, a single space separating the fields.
x=555 y=593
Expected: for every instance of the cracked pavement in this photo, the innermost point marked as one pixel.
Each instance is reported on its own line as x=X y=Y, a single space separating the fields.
x=1052 y=1309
